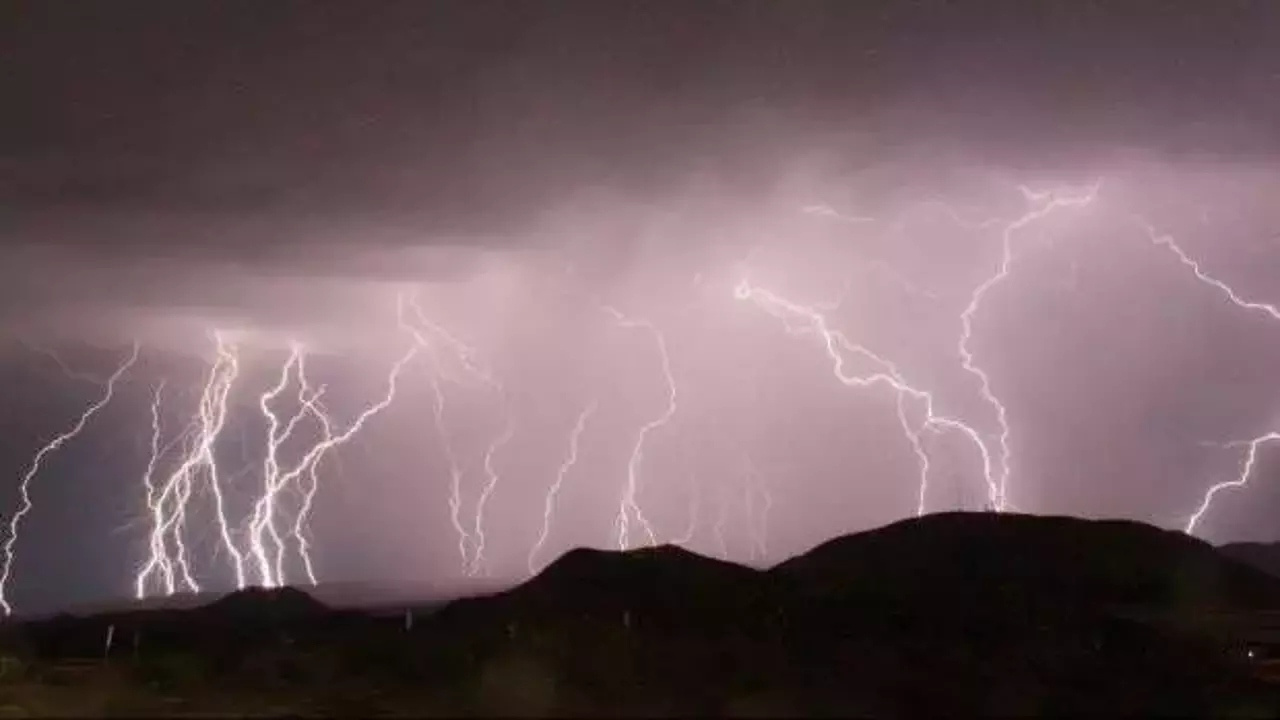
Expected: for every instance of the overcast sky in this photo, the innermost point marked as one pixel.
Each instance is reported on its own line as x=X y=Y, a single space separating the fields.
x=282 y=172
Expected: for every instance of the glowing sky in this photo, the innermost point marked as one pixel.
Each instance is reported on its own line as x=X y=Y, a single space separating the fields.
x=283 y=172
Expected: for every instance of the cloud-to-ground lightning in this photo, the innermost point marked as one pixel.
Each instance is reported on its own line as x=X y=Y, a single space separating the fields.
x=436 y=341
x=1241 y=479
x=300 y=430
x=259 y=545
x=331 y=441
x=1043 y=204
x=159 y=560
x=199 y=462
x=996 y=460
x=570 y=460
x=264 y=510
x=477 y=558
x=24 y=488
x=301 y=531
x=629 y=506
x=799 y=319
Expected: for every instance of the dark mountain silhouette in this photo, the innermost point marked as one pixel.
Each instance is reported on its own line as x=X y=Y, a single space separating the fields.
x=938 y=616
x=259 y=606
x=1263 y=556
x=344 y=595
x=666 y=585
x=1010 y=612
x=1057 y=559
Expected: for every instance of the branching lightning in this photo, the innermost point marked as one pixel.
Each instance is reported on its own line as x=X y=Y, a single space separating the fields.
x=1044 y=203
x=257 y=547
x=1232 y=296
x=170 y=505
x=24 y=488
x=811 y=321
x=261 y=524
x=629 y=507
x=433 y=338
x=800 y=319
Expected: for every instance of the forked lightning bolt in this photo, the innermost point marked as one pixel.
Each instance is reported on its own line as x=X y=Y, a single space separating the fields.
x=331 y=441
x=109 y=388
x=435 y=340
x=548 y=505
x=629 y=506
x=996 y=461
x=799 y=319
x=168 y=567
x=1044 y=203
x=1266 y=309
x=198 y=463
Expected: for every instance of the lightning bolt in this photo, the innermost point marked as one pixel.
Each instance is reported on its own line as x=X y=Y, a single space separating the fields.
x=997 y=462
x=432 y=340
x=629 y=505
x=570 y=460
x=34 y=468
x=917 y=447
x=332 y=441
x=198 y=462
x=159 y=560
x=300 y=530
x=812 y=321
x=478 y=562
x=1044 y=204
x=275 y=479
x=1241 y=480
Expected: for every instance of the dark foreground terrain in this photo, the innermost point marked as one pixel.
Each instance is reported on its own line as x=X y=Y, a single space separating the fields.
x=948 y=615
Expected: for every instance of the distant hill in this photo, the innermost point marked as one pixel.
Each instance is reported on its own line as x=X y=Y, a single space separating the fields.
x=667 y=585
x=948 y=614
x=1263 y=556
x=1058 y=559
x=344 y=595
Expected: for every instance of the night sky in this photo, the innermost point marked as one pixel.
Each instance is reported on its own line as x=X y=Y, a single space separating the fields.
x=286 y=174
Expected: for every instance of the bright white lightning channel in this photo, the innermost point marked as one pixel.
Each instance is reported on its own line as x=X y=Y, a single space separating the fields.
x=478 y=561
x=629 y=506
x=175 y=491
x=1268 y=310
x=801 y=320
x=433 y=338
x=548 y=506
x=997 y=461
x=1043 y=204
x=169 y=501
x=108 y=391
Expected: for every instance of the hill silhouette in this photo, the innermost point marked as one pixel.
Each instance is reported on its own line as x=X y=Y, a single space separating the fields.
x=1031 y=609
x=947 y=614
x=1058 y=559
x=1263 y=556
x=666 y=585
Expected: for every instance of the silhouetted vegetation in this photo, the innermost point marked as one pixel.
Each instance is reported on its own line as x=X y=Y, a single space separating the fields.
x=946 y=615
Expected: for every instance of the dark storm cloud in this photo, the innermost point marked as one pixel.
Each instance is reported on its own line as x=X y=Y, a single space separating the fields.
x=323 y=138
